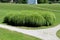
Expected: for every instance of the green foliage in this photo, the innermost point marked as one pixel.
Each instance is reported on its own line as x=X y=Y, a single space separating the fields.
x=49 y=17
x=16 y=1
x=25 y=19
x=42 y=1
x=21 y=1
x=25 y=1
x=29 y=18
x=35 y=20
x=4 y=0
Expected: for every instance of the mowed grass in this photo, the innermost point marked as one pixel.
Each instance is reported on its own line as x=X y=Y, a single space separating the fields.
x=7 y=8
x=58 y=33
x=10 y=35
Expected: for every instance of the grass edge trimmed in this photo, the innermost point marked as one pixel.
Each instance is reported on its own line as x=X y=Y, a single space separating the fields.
x=58 y=33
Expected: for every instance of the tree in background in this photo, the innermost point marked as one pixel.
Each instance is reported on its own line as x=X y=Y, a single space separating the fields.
x=4 y=0
x=42 y=1
x=25 y=1
x=22 y=1
x=45 y=1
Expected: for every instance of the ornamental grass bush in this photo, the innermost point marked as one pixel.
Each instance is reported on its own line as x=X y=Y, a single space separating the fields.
x=49 y=18
x=34 y=20
x=24 y=19
x=30 y=19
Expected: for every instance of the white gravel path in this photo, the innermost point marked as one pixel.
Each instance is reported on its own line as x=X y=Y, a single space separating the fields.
x=44 y=34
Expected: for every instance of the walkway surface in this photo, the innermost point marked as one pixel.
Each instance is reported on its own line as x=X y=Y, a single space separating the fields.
x=44 y=34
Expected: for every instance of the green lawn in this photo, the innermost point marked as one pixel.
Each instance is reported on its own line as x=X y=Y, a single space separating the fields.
x=58 y=33
x=10 y=35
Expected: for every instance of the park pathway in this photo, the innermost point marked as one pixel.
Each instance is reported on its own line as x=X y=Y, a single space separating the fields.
x=44 y=34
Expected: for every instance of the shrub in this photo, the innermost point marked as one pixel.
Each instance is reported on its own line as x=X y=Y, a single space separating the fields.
x=29 y=18
x=4 y=0
x=35 y=20
x=25 y=19
x=49 y=17
x=14 y=19
x=21 y=1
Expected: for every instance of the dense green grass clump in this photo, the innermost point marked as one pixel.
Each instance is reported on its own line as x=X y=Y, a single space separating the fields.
x=49 y=18
x=24 y=19
x=30 y=19
x=35 y=20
